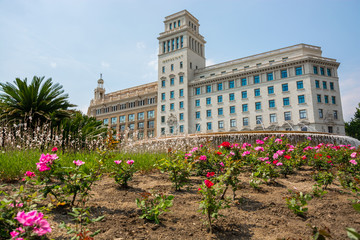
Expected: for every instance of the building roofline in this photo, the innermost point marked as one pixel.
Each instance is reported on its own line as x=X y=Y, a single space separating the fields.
x=180 y=13
x=133 y=88
x=259 y=55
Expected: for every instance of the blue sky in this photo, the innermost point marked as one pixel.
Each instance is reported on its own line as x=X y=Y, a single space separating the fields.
x=73 y=41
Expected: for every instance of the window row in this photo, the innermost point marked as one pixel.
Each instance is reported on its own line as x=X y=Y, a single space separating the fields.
x=172 y=81
x=322 y=70
x=181 y=65
x=172 y=129
x=326 y=99
x=126 y=105
x=172 y=94
x=258 y=120
x=140 y=125
x=334 y=114
x=131 y=117
x=324 y=84
x=173 y=24
x=231 y=84
x=172 y=44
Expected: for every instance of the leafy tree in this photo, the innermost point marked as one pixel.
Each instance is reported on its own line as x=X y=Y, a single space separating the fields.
x=82 y=128
x=34 y=103
x=352 y=128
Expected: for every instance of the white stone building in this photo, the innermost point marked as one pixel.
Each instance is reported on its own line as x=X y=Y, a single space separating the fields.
x=292 y=88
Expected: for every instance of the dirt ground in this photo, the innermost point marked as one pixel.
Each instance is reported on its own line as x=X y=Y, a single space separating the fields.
x=253 y=215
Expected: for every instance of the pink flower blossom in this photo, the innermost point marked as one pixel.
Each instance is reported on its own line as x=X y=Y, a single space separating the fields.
x=54 y=149
x=29 y=174
x=353 y=155
x=280 y=152
x=266 y=138
x=130 y=162
x=258 y=141
x=308 y=138
x=276 y=156
x=245 y=153
x=202 y=158
x=258 y=148
x=33 y=219
x=278 y=140
x=268 y=162
x=17 y=204
x=41 y=166
x=78 y=162
x=188 y=154
x=14 y=234
x=221 y=164
x=194 y=149
x=232 y=153
x=279 y=164
x=353 y=161
x=117 y=161
x=263 y=159
x=352 y=148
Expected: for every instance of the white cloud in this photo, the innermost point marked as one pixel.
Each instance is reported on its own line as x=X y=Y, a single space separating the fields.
x=350 y=96
x=53 y=64
x=210 y=62
x=105 y=65
x=140 y=45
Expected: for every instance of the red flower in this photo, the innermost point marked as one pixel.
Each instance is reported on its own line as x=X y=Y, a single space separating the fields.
x=303 y=157
x=225 y=145
x=208 y=183
x=54 y=149
x=287 y=157
x=328 y=156
x=199 y=189
x=218 y=153
x=329 y=161
x=320 y=155
x=210 y=174
x=275 y=162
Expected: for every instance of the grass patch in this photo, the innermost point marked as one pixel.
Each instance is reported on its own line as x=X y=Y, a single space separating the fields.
x=13 y=164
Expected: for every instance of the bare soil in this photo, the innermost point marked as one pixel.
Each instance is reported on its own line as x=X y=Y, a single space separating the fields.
x=253 y=215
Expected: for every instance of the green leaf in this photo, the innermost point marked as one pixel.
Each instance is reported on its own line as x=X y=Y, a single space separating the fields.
x=352 y=234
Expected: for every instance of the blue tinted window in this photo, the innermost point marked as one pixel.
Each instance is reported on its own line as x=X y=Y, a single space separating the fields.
x=322 y=71
x=208 y=101
x=197 y=103
x=181 y=116
x=315 y=70
x=220 y=111
x=333 y=99
x=197 y=115
x=181 y=92
x=208 y=88
x=181 y=79
x=232 y=109
x=244 y=107
x=326 y=98
x=220 y=98
x=331 y=85
x=319 y=98
x=258 y=105
x=197 y=91
x=298 y=71
x=163 y=68
x=256 y=79
x=271 y=103
x=162 y=107
x=286 y=101
x=243 y=82
x=231 y=97
x=181 y=128
x=317 y=83
x=301 y=99
x=172 y=94
x=209 y=126
x=299 y=84
x=171 y=106
x=208 y=113
x=257 y=92
x=181 y=104
x=284 y=73
x=270 y=77
x=220 y=86
x=231 y=84
x=163 y=96
x=285 y=87
x=329 y=72
x=271 y=89
x=172 y=81
x=244 y=94
x=324 y=85
x=163 y=83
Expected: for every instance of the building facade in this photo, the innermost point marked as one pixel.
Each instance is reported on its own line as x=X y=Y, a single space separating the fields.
x=292 y=88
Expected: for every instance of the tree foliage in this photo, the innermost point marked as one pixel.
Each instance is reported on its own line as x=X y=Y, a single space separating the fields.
x=34 y=103
x=352 y=128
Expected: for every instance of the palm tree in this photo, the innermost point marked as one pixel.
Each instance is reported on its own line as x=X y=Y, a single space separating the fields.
x=40 y=101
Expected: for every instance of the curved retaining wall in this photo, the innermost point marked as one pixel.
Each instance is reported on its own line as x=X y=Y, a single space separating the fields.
x=187 y=142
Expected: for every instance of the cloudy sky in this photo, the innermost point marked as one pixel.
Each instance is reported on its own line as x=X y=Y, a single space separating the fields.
x=73 y=41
